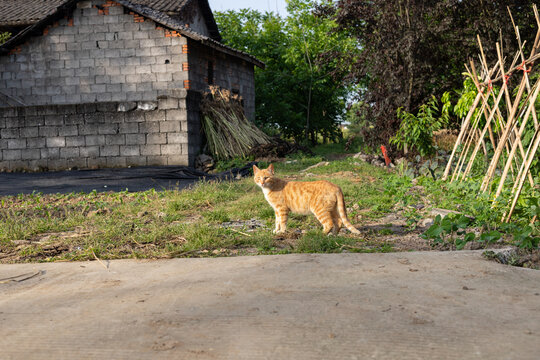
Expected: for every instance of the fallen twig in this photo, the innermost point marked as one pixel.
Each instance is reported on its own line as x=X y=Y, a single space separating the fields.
x=101 y=262
x=240 y=232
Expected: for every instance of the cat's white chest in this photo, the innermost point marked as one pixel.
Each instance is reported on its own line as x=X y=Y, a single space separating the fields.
x=266 y=191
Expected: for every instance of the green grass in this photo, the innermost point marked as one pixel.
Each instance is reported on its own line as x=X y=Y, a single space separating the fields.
x=157 y=224
x=189 y=222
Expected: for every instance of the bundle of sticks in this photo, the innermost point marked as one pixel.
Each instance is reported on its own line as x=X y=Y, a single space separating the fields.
x=502 y=124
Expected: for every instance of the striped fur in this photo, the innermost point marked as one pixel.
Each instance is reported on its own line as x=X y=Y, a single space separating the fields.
x=322 y=198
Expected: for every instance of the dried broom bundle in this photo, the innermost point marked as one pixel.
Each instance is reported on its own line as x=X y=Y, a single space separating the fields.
x=228 y=132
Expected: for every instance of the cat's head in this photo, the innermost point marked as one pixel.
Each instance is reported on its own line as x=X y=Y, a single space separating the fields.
x=263 y=176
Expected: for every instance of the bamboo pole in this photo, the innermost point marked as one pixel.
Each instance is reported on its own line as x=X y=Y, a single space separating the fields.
x=504 y=136
x=536 y=88
x=526 y=168
x=460 y=136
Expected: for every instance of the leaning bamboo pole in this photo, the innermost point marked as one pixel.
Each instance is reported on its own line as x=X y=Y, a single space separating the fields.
x=506 y=132
x=461 y=134
x=536 y=88
x=526 y=168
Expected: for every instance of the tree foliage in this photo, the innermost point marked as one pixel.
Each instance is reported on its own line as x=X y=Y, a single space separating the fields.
x=296 y=93
x=413 y=50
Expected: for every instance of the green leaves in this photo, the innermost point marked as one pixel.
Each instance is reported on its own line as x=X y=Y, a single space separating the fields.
x=297 y=93
x=417 y=130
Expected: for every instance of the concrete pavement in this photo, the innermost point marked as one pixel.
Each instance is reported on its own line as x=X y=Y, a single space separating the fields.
x=421 y=305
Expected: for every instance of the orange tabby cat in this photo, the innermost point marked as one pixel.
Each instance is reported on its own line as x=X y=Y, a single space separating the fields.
x=322 y=198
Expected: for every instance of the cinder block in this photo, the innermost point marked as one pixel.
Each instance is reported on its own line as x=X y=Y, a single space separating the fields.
x=48 y=131
x=8 y=155
x=177 y=138
x=143 y=69
x=140 y=35
x=79 y=163
x=127 y=70
x=57 y=164
x=92 y=118
x=101 y=62
x=29 y=132
x=118 y=96
x=171 y=149
x=69 y=152
x=56 y=142
x=68 y=130
x=171 y=126
x=109 y=150
x=133 y=79
x=156 y=160
x=117 y=79
x=149 y=127
x=128 y=128
x=134 y=96
x=50 y=153
x=74 y=119
x=35 y=143
x=131 y=60
x=104 y=96
x=92 y=140
x=30 y=154
x=129 y=150
x=178 y=160
x=106 y=107
x=178 y=115
x=112 y=53
x=14 y=122
x=116 y=162
x=118 y=139
x=127 y=35
x=86 y=98
x=166 y=103
x=54 y=120
x=89 y=151
x=96 y=162
x=150 y=150
x=147 y=43
x=114 y=89
x=144 y=87
x=164 y=77
x=147 y=60
x=135 y=139
x=72 y=141
x=156 y=138
x=108 y=129
x=158 y=50
x=16 y=144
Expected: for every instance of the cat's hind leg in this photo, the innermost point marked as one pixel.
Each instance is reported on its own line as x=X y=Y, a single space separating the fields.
x=325 y=218
x=337 y=222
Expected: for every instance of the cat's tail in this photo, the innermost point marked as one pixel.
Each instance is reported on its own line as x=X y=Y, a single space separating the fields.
x=342 y=211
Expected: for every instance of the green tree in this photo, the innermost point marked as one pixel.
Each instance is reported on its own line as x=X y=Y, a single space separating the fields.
x=297 y=93
x=413 y=50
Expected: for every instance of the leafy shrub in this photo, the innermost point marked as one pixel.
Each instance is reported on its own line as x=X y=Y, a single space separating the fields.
x=417 y=130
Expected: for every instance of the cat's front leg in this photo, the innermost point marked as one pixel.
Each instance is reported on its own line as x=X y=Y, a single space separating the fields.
x=281 y=222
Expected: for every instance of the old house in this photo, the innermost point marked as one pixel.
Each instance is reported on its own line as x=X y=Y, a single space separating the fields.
x=99 y=83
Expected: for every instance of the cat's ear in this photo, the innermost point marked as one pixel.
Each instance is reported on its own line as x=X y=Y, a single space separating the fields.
x=271 y=168
x=255 y=169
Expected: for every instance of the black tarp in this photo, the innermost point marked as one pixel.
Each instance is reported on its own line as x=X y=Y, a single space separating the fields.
x=130 y=179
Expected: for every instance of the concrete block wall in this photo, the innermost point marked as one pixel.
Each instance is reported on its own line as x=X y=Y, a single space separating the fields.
x=229 y=72
x=97 y=135
x=103 y=53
